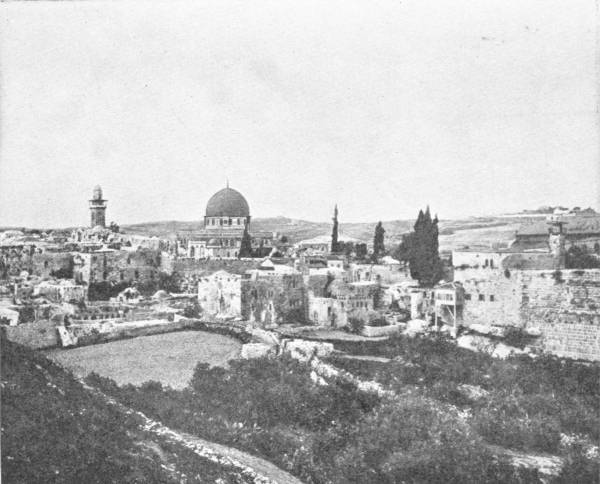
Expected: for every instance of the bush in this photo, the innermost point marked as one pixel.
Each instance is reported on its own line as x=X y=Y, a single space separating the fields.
x=356 y=324
x=516 y=337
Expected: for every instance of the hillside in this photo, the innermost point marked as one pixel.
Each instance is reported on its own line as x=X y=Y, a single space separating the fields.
x=54 y=430
x=453 y=233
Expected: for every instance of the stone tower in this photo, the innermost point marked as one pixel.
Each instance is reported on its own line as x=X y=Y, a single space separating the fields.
x=98 y=208
x=556 y=243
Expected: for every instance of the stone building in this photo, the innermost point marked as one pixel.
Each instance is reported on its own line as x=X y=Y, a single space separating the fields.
x=220 y=294
x=227 y=215
x=580 y=230
x=109 y=265
x=60 y=291
x=327 y=311
x=273 y=294
x=532 y=291
x=16 y=257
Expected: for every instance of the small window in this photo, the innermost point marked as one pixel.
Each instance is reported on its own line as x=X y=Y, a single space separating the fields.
x=491 y=297
x=481 y=297
x=467 y=297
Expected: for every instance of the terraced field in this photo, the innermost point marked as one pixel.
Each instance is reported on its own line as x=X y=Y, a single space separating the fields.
x=168 y=358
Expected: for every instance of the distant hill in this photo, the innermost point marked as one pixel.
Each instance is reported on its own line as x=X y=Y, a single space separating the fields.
x=453 y=233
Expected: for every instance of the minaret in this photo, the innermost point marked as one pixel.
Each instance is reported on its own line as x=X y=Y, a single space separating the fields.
x=98 y=208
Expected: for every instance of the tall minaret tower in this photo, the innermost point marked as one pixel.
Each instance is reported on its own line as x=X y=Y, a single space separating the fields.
x=98 y=208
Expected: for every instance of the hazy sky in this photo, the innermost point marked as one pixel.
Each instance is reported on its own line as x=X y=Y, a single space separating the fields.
x=474 y=107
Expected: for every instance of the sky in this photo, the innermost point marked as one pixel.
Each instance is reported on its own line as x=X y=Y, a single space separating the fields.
x=382 y=107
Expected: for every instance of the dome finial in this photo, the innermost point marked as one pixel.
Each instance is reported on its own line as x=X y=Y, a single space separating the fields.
x=227 y=182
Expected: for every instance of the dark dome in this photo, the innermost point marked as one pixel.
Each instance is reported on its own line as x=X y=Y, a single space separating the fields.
x=227 y=203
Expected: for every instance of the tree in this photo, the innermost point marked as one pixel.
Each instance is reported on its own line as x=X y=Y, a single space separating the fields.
x=578 y=257
x=114 y=227
x=360 y=250
x=334 y=233
x=421 y=249
x=378 y=242
x=246 y=244
x=169 y=282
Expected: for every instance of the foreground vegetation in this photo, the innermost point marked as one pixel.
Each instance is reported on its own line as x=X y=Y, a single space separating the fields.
x=451 y=405
x=53 y=430
x=527 y=404
x=332 y=433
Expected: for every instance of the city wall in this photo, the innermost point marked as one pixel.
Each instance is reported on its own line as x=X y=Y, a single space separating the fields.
x=563 y=306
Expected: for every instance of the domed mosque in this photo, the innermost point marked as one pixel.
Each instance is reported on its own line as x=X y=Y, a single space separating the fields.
x=227 y=214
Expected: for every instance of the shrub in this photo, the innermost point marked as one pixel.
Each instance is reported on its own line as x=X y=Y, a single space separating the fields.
x=516 y=337
x=356 y=324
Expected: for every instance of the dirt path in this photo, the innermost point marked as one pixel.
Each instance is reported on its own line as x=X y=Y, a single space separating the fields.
x=253 y=468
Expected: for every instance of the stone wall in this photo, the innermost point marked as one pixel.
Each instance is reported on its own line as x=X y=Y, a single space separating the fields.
x=492 y=297
x=117 y=266
x=37 y=335
x=13 y=262
x=564 y=306
x=268 y=300
x=327 y=311
x=187 y=266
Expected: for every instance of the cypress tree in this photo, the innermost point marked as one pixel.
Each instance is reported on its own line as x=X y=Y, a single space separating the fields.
x=378 y=241
x=421 y=248
x=334 y=233
x=246 y=244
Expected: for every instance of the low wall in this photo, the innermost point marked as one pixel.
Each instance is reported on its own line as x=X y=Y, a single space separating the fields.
x=374 y=331
x=37 y=335
x=188 y=266
x=102 y=332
